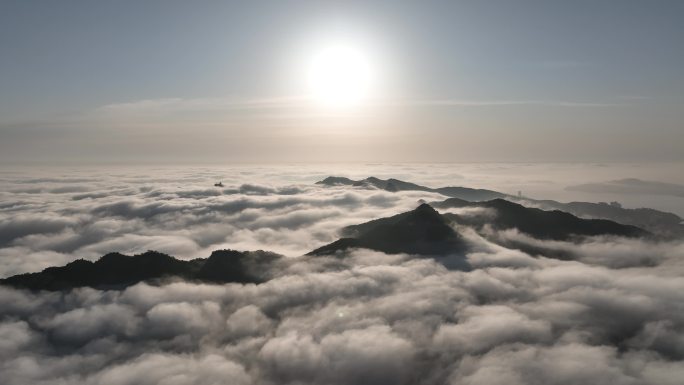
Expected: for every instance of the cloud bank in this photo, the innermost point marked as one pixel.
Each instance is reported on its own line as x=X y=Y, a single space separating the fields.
x=368 y=319
x=614 y=314
x=49 y=220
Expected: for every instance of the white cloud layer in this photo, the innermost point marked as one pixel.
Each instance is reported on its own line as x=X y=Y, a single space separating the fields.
x=613 y=315
x=370 y=319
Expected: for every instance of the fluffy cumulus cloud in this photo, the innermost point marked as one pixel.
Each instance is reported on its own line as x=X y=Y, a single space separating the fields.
x=612 y=314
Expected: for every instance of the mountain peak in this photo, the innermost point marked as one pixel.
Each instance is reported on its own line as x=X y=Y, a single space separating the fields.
x=336 y=180
x=420 y=231
x=426 y=209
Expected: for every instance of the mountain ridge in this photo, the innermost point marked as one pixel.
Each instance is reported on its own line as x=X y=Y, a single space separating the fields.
x=395 y=185
x=422 y=231
x=664 y=224
x=541 y=224
x=116 y=271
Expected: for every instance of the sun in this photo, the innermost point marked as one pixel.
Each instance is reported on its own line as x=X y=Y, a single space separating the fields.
x=340 y=74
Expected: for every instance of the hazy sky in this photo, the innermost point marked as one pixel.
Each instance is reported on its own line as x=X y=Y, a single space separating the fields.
x=204 y=81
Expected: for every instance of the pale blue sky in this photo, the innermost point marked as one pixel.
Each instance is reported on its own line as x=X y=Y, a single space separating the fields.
x=462 y=81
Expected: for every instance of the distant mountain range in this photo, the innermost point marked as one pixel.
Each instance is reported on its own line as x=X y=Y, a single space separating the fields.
x=421 y=232
x=407 y=233
x=660 y=223
x=394 y=185
x=540 y=224
x=663 y=224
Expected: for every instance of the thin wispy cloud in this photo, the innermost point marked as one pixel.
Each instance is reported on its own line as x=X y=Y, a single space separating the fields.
x=203 y=104
x=302 y=101
x=293 y=108
x=510 y=103
x=268 y=111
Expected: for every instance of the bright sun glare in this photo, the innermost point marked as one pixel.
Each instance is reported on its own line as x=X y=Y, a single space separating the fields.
x=340 y=75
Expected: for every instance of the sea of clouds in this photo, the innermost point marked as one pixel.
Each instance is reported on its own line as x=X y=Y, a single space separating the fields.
x=612 y=315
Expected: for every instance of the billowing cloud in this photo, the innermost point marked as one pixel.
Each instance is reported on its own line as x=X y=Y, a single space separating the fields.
x=62 y=219
x=370 y=318
x=613 y=314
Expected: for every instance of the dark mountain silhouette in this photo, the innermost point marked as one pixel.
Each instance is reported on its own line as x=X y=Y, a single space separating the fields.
x=225 y=266
x=421 y=231
x=425 y=231
x=658 y=222
x=116 y=271
x=664 y=224
x=336 y=180
x=541 y=224
x=394 y=185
